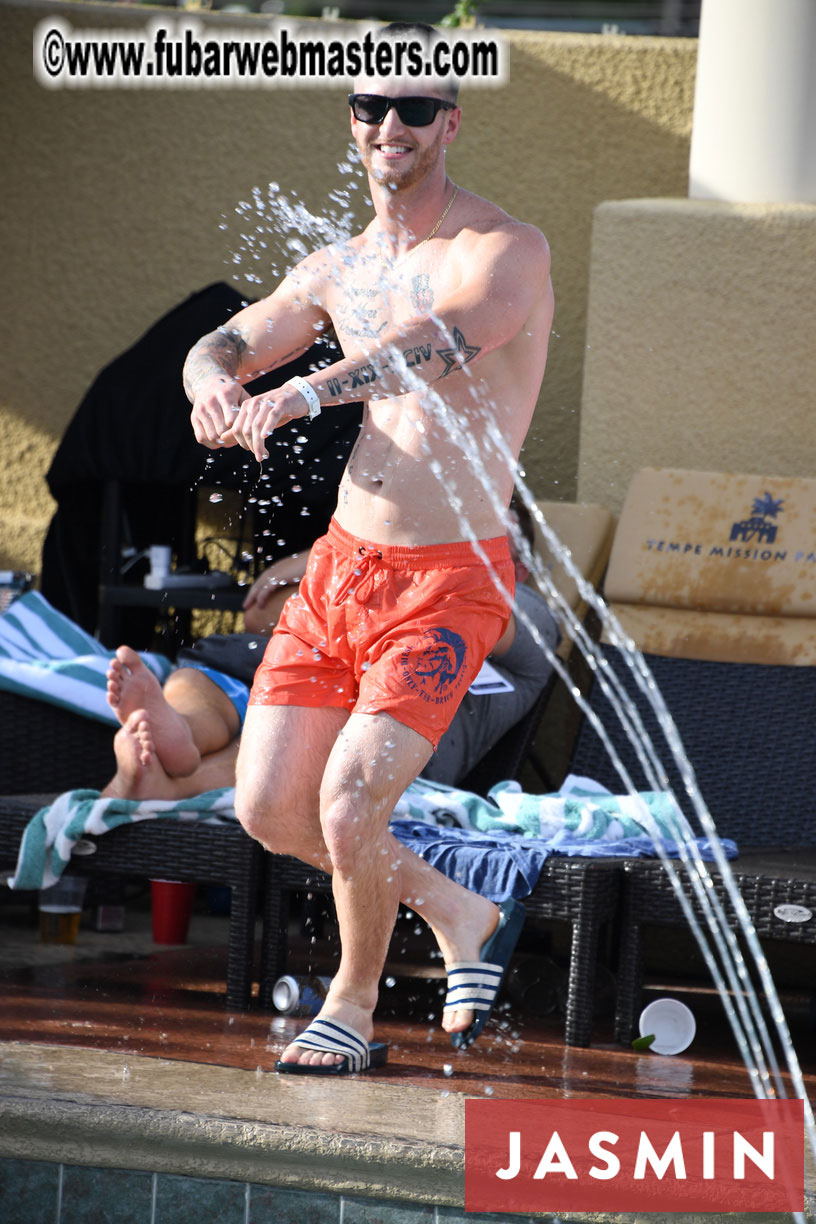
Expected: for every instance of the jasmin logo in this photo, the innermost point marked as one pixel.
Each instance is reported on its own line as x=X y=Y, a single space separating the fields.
x=634 y=1155
x=761 y=525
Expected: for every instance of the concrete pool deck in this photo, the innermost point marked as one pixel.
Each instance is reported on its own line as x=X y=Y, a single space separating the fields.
x=351 y=1138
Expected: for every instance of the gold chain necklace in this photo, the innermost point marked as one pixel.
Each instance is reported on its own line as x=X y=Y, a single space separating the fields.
x=447 y=209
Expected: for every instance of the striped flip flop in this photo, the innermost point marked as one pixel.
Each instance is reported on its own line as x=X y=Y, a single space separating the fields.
x=331 y=1036
x=475 y=984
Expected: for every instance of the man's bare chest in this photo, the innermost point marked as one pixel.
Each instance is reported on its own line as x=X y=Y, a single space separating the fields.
x=366 y=308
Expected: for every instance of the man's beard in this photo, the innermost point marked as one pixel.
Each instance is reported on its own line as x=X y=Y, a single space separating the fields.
x=402 y=179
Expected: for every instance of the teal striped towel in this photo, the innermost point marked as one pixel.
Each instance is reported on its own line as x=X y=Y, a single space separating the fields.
x=53 y=833
x=582 y=810
x=581 y=819
x=43 y=654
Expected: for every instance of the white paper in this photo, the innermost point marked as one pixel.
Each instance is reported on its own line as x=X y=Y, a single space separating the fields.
x=490 y=681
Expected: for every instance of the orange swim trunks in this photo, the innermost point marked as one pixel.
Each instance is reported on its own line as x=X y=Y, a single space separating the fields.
x=379 y=629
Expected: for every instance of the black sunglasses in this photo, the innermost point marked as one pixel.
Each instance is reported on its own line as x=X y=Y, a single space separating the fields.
x=413 y=112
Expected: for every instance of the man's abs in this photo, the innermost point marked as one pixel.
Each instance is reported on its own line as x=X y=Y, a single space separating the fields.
x=413 y=467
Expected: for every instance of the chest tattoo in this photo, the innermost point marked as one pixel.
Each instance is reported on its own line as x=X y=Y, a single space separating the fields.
x=360 y=314
x=421 y=293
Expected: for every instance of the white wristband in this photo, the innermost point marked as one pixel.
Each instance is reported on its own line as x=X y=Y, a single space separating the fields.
x=308 y=392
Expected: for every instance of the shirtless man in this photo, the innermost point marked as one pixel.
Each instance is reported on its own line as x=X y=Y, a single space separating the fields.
x=340 y=721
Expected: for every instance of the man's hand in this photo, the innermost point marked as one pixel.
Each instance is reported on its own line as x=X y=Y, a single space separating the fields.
x=259 y=415
x=217 y=401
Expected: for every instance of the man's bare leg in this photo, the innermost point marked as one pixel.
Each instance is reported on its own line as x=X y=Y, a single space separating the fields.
x=281 y=763
x=140 y=774
x=373 y=760
x=189 y=719
x=379 y=757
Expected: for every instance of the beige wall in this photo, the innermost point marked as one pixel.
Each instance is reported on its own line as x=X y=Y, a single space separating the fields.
x=701 y=351
x=113 y=201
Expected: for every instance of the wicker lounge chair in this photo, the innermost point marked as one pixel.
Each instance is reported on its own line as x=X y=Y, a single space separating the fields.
x=713 y=576
x=52 y=750
x=748 y=732
x=47 y=748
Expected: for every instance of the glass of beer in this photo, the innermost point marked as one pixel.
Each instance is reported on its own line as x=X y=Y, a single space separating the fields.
x=60 y=909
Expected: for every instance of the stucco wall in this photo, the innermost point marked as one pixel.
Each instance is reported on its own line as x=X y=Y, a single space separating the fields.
x=700 y=336
x=113 y=204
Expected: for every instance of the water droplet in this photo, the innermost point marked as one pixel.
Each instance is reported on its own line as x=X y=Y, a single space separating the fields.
x=216 y=497
x=447 y=1069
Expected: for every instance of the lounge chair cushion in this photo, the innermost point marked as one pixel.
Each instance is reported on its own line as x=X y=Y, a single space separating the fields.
x=717 y=566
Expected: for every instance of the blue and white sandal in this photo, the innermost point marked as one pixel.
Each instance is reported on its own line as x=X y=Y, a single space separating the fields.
x=475 y=984
x=333 y=1037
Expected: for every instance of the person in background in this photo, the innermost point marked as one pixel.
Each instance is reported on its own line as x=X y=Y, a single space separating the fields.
x=182 y=739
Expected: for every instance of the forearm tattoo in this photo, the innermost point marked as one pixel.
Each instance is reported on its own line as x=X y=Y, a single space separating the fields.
x=458 y=356
x=365 y=374
x=220 y=352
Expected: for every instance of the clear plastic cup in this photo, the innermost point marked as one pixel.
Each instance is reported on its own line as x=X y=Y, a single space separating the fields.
x=60 y=909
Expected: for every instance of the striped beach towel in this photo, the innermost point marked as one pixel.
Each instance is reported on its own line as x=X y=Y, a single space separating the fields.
x=44 y=654
x=474 y=840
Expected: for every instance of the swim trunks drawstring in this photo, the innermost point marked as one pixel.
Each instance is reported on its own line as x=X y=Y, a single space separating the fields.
x=365 y=573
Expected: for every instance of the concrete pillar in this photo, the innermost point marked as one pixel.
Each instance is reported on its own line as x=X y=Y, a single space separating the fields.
x=754 y=133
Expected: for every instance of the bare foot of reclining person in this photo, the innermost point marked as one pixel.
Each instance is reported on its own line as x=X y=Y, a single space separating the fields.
x=132 y=686
x=139 y=773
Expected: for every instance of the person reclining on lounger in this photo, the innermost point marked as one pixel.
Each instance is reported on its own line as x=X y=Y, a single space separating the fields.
x=182 y=739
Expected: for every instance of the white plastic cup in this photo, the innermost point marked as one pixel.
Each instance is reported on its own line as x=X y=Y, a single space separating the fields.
x=672 y=1024
x=159 y=560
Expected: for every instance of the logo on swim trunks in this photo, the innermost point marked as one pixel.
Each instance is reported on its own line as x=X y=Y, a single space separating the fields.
x=437 y=661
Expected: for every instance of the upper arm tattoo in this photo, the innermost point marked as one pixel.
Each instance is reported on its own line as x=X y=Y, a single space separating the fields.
x=219 y=352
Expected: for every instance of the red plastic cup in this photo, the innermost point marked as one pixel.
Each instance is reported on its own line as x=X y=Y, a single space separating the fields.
x=172 y=904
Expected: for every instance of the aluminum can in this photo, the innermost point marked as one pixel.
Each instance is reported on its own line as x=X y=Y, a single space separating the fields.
x=299 y=996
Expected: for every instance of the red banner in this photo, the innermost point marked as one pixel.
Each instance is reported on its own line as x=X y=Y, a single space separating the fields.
x=634 y=1155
